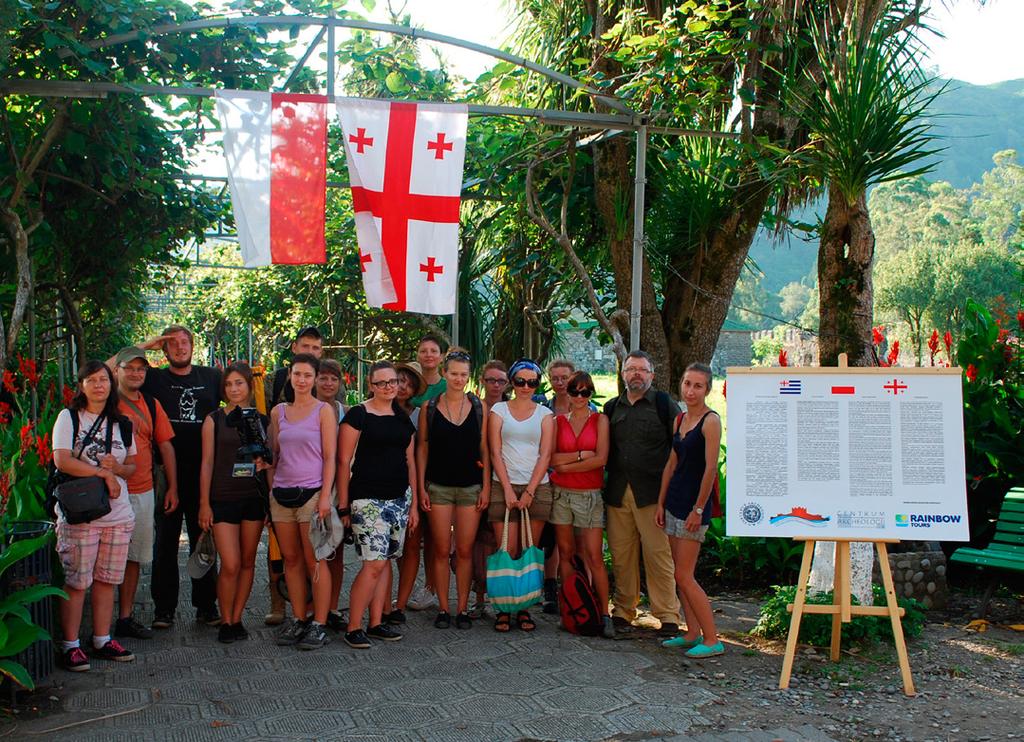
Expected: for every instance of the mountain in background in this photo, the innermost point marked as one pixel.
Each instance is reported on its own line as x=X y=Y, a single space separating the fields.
x=973 y=123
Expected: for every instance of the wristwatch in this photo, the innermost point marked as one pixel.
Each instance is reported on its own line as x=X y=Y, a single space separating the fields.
x=699 y=511
x=579 y=455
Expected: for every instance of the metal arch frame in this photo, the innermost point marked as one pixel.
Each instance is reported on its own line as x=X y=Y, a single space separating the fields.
x=626 y=120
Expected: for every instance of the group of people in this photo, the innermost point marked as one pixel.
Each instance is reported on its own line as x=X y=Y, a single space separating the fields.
x=423 y=464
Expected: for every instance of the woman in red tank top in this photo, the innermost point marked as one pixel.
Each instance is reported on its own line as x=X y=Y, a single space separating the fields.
x=581 y=451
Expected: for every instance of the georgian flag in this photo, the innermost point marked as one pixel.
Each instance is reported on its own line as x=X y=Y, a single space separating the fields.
x=276 y=150
x=405 y=167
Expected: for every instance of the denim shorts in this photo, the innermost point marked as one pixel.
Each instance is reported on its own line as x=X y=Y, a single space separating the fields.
x=677 y=528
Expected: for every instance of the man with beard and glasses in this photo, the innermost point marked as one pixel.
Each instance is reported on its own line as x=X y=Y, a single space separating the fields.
x=188 y=393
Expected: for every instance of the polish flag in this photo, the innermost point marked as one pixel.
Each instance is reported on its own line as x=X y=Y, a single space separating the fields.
x=276 y=150
x=405 y=166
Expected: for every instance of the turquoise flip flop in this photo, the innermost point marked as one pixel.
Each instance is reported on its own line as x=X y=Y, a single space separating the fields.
x=702 y=651
x=682 y=642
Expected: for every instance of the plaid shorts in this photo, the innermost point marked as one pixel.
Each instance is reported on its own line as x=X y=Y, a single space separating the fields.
x=90 y=552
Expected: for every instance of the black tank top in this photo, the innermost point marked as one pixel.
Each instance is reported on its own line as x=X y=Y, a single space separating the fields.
x=454 y=454
x=684 y=486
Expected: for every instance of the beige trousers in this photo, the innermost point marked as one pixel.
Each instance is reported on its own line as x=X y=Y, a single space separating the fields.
x=629 y=528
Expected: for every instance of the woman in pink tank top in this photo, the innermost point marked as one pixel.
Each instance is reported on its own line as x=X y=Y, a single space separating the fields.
x=304 y=438
x=581 y=451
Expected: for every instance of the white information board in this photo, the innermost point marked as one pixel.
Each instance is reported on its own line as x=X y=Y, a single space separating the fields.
x=851 y=453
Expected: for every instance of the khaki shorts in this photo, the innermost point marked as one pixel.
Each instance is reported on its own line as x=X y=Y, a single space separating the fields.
x=540 y=510
x=441 y=494
x=677 y=528
x=579 y=508
x=141 y=547
x=280 y=514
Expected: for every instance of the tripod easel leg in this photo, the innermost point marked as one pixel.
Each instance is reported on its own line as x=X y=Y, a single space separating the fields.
x=894 y=617
x=798 y=610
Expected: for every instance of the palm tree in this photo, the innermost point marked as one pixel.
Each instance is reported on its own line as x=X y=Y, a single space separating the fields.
x=867 y=124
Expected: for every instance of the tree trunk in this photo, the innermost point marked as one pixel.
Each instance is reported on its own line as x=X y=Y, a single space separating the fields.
x=74 y=319
x=18 y=237
x=845 y=255
x=698 y=292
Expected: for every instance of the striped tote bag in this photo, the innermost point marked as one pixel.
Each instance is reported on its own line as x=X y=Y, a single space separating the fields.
x=516 y=584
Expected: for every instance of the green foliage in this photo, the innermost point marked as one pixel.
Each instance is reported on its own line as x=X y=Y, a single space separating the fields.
x=17 y=631
x=816 y=629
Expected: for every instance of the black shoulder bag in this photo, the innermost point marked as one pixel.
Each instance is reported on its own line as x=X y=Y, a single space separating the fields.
x=84 y=499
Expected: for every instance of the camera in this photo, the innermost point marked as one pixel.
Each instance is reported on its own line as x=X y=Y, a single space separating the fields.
x=252 y=433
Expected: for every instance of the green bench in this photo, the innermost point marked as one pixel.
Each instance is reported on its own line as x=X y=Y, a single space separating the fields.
x=1006 y=552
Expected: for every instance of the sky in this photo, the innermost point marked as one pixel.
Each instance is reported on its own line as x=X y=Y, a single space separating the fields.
x=979 y=45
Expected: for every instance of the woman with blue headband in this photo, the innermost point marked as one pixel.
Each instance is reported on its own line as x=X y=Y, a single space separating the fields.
x=521 y=436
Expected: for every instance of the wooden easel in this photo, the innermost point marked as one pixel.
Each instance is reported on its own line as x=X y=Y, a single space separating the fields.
x=841 y=609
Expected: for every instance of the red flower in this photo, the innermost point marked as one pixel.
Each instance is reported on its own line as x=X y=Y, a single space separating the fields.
x=878 y=335
x=724 y=385
x=972 y=372
x=67 y=394
x=783 y=358
x=9 y=382
x=29 y=370
x=1020 y=319
x=948 y=340
x=27 y=438
x=5 y=490
x=1003 y=336
x=43 y=450
x=894 y=353
x=5 y=413
x=933 y=344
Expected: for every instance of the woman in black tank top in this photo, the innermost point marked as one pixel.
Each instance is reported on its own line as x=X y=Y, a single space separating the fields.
x=454 y=478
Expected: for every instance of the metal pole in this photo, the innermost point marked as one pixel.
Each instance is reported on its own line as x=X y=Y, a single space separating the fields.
x=638 y=237
x=455 y=314
x=360 y=342
x=250 y=343
x=330 y=59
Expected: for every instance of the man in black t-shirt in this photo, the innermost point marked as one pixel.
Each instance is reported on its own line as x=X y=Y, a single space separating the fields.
x=309 y=340
x=188 y=393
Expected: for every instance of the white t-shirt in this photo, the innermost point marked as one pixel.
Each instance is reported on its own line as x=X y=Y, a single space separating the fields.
x=120 y=507
x=520 y=442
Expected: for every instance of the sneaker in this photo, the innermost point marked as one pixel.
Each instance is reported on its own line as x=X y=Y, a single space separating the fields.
x=421 y=599
x=240 y=633
x=163 y=620
x=112 y=650
x=291 y=634
x=395 y=618
x=75 y=660
x=550 y=597
x=132 y=628
x=701 y=651
x=668 y=629
x=336 y=622
x=316 y=637
x=384 y=632
x=682 y=642
x=357 y=639
x=208 y=616
x=226 y=633
x=607 y=627
x=622 y=626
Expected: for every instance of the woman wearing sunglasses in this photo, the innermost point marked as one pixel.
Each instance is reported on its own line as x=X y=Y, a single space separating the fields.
x=521 y=437
x=381 y=489
x=455 y=482
x=581 y=451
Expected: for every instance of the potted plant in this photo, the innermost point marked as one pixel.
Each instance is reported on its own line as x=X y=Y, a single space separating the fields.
x=26 y=551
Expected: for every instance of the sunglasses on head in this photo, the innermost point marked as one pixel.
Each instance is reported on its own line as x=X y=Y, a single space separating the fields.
x=459 y=355
x=520 y=382
x=580 y=392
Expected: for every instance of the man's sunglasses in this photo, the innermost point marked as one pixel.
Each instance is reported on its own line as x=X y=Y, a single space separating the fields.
x=532 y=383
x=580 y=392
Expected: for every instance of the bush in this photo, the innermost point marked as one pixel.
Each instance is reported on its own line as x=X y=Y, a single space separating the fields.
x=816 y=629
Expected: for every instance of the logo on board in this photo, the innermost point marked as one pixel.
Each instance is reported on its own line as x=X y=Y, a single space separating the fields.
x=800 y=515
x=920 y=520
x=790 y=386
x=751 y=513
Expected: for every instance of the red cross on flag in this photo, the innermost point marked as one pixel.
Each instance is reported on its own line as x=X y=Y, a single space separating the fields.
x=276 y=150
x=405 y=166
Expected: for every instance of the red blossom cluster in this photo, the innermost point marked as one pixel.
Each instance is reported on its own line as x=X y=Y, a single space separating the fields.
x=44 y=450
x=9 y=383
x=67 y=394
x=5 y=413
x=783 y=358
x=29 y=369
x=971 y=372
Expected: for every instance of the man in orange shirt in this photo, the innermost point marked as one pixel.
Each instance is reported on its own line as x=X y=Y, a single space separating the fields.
x=150 y=427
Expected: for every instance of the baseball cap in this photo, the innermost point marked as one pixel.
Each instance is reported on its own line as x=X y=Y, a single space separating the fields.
x=203 y=557
x=126 y=355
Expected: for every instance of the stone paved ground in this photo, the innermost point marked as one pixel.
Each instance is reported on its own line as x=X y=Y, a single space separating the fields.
x=478 y=685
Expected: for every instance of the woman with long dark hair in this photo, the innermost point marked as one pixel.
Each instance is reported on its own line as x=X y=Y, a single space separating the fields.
x=232 y=500
x=684 y=506
x=90 y=439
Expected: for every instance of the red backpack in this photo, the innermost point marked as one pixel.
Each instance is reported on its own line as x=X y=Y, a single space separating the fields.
x=580 y=613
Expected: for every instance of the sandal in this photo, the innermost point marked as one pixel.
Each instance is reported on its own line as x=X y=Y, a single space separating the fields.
x=463 y=621
x=524 y=621
x=503 y=623
x=443 y=620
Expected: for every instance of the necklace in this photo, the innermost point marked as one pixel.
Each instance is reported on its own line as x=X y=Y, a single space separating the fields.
x=448 y=409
